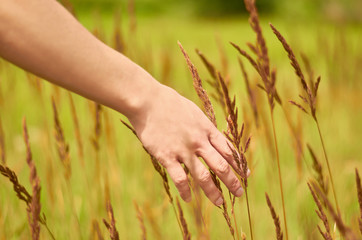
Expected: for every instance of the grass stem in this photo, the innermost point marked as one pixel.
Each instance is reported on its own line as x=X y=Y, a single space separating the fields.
x=280 y=175
x=329 y=168
x=249 y=216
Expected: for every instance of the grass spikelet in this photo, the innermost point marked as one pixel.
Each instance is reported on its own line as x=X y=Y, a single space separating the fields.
x=97 y=126
x=132 y=16
x=2 y=145
x=23 y=194
x=311 y=95
x=19 y=189
x=140 y=221
x=223 y=59
x=322 y=216
x=261 y=48
x=250 y=92
x=293 y=60
x=224 y=205
x=167 y=68
x=298 y=106
x=201 y=92
x=152 y=220
x=111 y=226
x=186 y=233
x=118 y=39
x=278 y=230
x=214 y=83
x=96 y=233
x=76 y=129
x=309 y=70
x=34 y=207
x=209 y=66
x=247 y=56
x=317 y=167
x=359 y=195
x=62 y=146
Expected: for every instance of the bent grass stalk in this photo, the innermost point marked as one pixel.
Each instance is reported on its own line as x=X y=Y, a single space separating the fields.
x=310 y=100
x=262 y=66
x=233 y=134
x=209 y=110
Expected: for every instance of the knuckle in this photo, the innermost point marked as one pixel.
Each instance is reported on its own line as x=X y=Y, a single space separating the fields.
x=164 y=155
x=223 y=168
x=229 y=153
x=235 y=184
x=180 y=181
x=205 y=177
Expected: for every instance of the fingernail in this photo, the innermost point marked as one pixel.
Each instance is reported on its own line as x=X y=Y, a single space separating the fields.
x=219 y=201
x=248 y=173
x=239 y=192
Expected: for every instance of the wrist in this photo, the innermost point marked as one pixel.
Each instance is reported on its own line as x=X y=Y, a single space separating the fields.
x=136 y=91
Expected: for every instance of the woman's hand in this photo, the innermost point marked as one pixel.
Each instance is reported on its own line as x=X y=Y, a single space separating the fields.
x=49 y=42
x=174 y=130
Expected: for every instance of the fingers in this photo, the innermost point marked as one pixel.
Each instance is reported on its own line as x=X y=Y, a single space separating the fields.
x=179 y=177
x=222 y=169
x=222 y=146
x=203 y=177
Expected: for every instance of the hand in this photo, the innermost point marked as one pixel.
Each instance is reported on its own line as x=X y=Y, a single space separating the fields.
x=174 y=130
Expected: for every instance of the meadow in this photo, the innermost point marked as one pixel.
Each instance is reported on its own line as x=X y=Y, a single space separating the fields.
x=85 y=156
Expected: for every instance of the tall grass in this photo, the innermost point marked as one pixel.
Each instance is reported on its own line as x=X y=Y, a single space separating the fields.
x=110 y=163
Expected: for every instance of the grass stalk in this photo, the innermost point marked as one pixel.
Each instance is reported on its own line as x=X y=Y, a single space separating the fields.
x=328 y=167
x=279 y=174
x=232 y=199
x=249 y=215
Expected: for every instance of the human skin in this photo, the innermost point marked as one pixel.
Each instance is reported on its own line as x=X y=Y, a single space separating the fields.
x=41 y=37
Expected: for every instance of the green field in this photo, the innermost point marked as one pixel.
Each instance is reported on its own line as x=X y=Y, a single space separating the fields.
x=123 y=169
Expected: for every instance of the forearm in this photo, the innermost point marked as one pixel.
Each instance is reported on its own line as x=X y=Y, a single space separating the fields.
x=42 y=37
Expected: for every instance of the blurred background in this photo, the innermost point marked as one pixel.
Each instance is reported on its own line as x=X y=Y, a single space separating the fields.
x=326 y=36
x=300 y=10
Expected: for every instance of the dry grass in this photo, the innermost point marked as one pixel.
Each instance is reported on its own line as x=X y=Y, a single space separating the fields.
x=199 y=218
